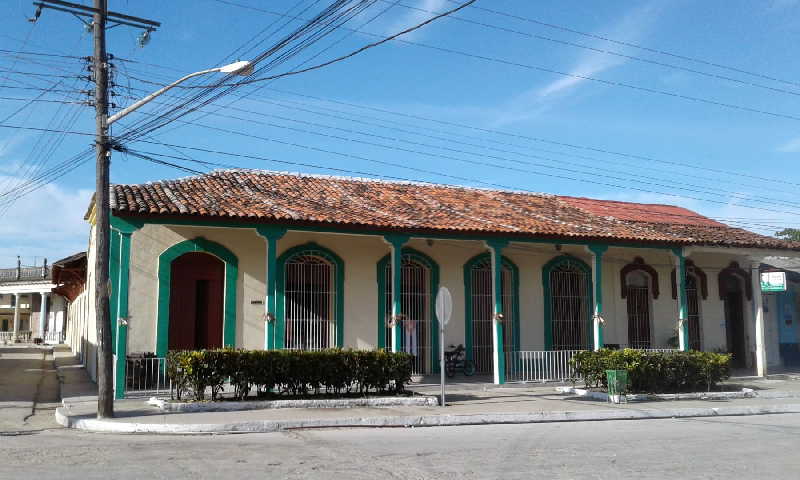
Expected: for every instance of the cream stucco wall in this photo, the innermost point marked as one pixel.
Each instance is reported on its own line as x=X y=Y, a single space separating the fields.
x=361 y=253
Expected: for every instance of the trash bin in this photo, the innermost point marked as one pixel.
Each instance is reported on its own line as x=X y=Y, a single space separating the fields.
x=617 y=384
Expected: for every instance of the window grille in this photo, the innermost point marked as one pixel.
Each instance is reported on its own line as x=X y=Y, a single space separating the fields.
x=693 y=313
x=310 y=319
x=415 y=306
x=569 y=306
x=483 y=313
x=638 y=296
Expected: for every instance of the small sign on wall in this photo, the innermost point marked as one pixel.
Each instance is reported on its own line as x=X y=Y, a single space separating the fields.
x=773 y=282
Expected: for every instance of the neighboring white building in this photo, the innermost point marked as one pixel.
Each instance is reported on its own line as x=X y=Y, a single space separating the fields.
x=29 y=309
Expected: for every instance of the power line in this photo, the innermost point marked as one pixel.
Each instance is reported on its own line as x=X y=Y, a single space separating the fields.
x=629 y=206
x=460 y=178
x=534 y=139
x=603 y=51
x=612 y=83
x=634 y=45
x=653 y=181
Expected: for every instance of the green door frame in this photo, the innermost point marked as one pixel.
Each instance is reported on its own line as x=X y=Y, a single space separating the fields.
x=317 y=250
x=433 y=281
x=165 y=260
x=548 y=319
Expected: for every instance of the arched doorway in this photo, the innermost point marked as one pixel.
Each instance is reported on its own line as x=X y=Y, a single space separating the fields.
x=196 y=302
x=734 y=287
x=480 y=309
x=419 y=280
x=637 y=292
x=568 y=304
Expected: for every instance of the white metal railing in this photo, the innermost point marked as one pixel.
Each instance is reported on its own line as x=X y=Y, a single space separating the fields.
x=53 y=337
x=652 y=349
x=539 y=366
x=146 y=376
x=6 y=337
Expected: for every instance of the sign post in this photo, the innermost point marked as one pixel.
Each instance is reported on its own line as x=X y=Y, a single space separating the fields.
x=444 y=308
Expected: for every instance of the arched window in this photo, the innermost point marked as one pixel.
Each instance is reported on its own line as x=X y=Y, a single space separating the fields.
x=637 y=292
x=480 y=309
x=418 y=331
x=568 y=300
x=310 y=299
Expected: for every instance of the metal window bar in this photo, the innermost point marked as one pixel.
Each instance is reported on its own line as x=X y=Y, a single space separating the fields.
x=693 y=314
x=638 y=317
x=310 y=303
x=415 y=301
x=483 y=313
x=539 y=366
x=569 y=307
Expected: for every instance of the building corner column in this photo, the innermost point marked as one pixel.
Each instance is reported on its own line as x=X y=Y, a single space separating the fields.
x=43 y=314
x=16 y=316
x=679 y=256
x=499 y=357
x=271 y=235
x=598 y=322
x=396 y=243
x=119 y=278
x=758 y=313
x=120 y=358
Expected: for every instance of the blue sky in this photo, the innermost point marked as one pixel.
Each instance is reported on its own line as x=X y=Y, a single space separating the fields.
x=717 y=160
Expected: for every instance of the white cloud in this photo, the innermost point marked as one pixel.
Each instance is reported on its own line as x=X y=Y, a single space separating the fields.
x=790 y=146
x=631 y=28
x=47 y=223
x=414 y=16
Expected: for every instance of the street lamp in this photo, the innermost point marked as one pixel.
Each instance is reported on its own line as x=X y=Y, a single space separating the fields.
x=243 y=68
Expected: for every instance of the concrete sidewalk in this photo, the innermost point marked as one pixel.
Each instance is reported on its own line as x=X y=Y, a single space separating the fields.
x=468 y=404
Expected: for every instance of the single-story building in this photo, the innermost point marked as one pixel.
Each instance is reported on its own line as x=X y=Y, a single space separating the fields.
x=261 y=259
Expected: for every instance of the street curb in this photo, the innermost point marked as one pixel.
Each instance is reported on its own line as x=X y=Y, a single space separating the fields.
x=268 y=426
x=231 y=406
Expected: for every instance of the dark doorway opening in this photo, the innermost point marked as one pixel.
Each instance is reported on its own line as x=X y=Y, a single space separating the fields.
x=196 y=302
x=733 y=299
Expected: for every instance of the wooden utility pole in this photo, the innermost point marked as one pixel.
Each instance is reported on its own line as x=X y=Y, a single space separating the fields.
x=105 y=367
x=100 y=16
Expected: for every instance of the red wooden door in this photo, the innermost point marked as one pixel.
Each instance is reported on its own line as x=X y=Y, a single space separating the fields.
x=195 y=302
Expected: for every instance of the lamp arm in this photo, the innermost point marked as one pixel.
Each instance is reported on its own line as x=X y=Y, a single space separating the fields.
x=147 y=99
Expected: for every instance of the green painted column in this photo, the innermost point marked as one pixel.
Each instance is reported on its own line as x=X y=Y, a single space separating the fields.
x=272 y=235
x=120 y=263
x=113 y=278
x=499 y=358
x=120 y=359
x=597 y=252
x=683 y=323
x=396 y=243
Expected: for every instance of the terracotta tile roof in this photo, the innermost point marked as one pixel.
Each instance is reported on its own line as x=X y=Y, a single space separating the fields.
x=270 y=197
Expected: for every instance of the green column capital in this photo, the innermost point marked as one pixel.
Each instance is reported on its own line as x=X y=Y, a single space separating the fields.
x=271 y=231
x=597 y=249
x=125 y=225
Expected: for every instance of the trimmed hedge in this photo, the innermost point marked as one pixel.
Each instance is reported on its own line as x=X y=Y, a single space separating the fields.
x=332 y=371
x=653 y=372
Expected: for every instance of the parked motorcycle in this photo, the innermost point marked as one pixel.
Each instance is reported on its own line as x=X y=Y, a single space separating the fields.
x=456 y=359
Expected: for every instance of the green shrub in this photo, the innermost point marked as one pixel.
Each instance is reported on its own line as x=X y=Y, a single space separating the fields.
x=332 y=371
x=653 y=372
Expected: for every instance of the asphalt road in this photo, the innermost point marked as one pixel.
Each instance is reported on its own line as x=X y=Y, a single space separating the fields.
x=730 y=447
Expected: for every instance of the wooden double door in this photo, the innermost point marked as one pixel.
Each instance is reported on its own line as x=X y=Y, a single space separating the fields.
x=196 y=302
